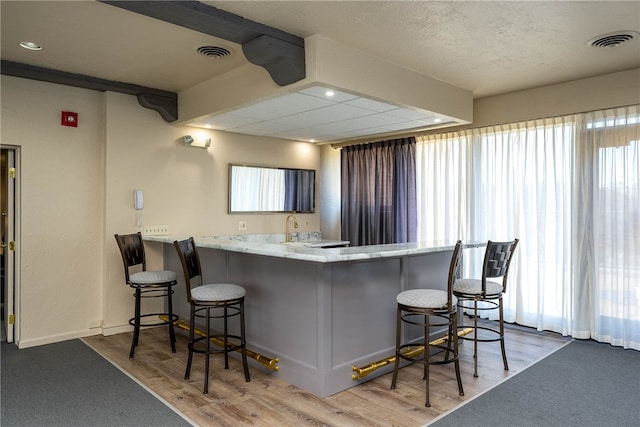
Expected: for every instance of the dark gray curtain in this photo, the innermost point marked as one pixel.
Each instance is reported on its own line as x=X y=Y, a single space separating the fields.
x=379 y=192
x=299 y=190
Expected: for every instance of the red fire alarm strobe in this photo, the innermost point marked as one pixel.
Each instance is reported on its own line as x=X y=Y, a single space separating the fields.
x=69 y=119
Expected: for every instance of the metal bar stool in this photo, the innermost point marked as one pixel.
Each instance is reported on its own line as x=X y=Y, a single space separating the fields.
x=147 y=284
x=497 y=260
x=427 y=308
x=208 y=302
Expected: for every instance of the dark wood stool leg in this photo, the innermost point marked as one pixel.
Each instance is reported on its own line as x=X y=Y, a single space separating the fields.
x=243 y=342
x=452 y=330
x=136 y=323
x=427 y=351
x=475 y=338
x=172 y=333
x=208 y=352
x=396 y=365
x=192 y=318
x=504 y=352
x=425 y=345
x=453 y=336
x=226 y=338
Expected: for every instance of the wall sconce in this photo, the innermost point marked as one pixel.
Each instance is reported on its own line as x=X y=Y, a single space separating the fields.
x=190 y=142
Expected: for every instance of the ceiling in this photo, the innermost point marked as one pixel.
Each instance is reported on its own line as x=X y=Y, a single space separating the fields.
x=485 y=47
x=320 y=114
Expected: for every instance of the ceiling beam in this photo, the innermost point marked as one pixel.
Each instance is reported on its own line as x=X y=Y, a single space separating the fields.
x=164 y=102
x=279 y=52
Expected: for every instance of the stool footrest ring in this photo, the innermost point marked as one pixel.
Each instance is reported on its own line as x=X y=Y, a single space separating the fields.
x=132 y=321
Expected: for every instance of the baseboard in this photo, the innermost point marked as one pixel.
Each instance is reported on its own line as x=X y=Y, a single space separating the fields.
x=106 y=331
x=119 y=329
x=22 y=343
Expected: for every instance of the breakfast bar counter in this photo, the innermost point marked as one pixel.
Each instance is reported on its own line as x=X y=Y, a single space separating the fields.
x=320 y=311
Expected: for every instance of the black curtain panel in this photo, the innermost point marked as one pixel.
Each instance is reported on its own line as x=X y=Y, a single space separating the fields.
x=379 y=192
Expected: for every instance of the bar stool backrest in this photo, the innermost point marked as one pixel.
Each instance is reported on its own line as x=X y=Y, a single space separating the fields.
x=454 y=272
x=497 y=260
x=190 y=261
x=132 y=252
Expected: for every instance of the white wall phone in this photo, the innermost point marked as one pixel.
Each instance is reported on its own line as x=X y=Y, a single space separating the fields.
x=138 y=204
x=138 y=200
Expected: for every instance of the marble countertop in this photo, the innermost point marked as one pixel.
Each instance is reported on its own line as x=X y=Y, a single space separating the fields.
x=314 y=254
x=319 y=243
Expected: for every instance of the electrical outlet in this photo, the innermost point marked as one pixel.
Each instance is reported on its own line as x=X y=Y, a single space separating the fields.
x=242 y=225
x=155 y=230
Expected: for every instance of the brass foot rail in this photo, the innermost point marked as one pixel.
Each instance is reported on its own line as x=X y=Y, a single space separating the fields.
x=365 y=370
x=263 y=360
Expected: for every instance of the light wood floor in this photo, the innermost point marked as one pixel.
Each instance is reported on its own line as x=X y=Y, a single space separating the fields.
x=268 y=401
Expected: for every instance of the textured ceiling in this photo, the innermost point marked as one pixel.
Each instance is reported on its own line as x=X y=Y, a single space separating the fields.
x=99 y=40
x=487 y=47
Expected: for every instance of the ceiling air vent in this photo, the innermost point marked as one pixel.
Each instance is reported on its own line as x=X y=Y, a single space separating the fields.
x=214 y=51
x=614 y=39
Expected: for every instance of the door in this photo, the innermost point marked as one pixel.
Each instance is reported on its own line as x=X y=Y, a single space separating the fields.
x=8 y=241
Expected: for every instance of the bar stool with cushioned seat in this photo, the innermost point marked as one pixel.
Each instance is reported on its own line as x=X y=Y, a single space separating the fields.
x=430 y=308
x=497 y=259
x=205 y=301
x=147 y=284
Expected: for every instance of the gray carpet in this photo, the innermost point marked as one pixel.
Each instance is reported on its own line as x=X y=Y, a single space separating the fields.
x=68 y=384
x=585 y=383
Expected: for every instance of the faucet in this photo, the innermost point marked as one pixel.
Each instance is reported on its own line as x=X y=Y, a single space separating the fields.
x=287 y=235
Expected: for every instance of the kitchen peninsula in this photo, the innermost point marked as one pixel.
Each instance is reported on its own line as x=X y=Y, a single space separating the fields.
x=320 y=311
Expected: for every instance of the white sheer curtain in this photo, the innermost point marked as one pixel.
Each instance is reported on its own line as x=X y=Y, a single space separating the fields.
x=257 y=189
x=568 y=188
x=441 y=186
x=608 y=190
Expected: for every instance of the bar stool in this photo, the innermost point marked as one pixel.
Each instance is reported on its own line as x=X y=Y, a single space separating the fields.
x=427 y=308
x=497 y=259
x=147 y=284
x=207 y=301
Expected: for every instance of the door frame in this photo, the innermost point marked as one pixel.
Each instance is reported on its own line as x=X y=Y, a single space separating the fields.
x=12 y=257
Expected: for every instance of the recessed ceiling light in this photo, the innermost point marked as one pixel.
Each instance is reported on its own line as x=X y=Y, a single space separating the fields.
x=437 y=120
x=31 y=45
x=329 y=93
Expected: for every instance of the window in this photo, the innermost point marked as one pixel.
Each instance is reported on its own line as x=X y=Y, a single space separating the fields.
x=568 y=188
